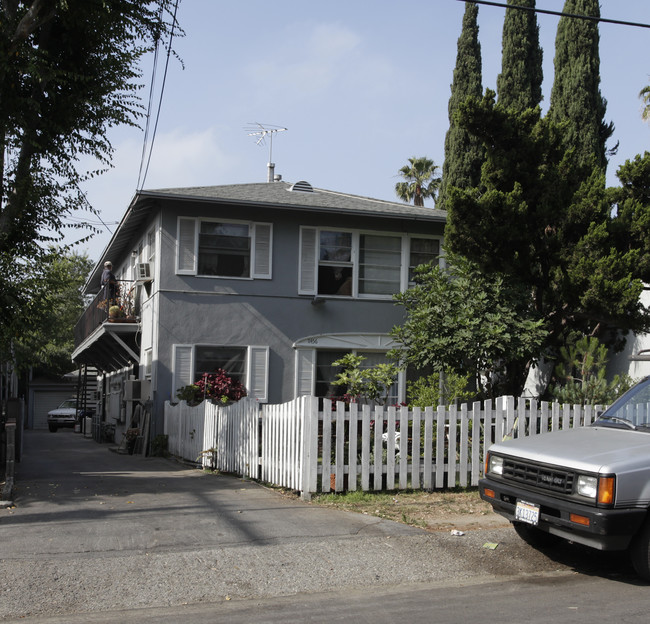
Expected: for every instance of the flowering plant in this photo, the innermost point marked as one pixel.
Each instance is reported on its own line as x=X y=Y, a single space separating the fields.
x=122 y=304
x=218 y=386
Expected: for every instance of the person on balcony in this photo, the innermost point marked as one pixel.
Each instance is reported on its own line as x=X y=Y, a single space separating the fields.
x=109 y=283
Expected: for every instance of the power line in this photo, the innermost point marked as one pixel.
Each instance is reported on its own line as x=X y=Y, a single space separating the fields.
x=149 y=104
x=142 y=178
x=590 y=18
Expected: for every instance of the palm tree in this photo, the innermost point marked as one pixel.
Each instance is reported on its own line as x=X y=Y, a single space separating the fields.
x=422 y=181
x=645 y=97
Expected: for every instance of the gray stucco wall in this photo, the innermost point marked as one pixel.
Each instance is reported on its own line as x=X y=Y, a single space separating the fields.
x=205 y=310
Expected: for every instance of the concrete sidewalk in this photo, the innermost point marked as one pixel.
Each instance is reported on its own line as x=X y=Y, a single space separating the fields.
x=96 y=531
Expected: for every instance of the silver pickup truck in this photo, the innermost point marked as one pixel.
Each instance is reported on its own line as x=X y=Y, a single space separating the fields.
x=589 y=485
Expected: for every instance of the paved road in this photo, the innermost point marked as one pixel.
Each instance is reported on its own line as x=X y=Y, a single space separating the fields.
x=101 y=537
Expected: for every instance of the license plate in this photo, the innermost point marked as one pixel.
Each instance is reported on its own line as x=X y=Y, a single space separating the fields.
x=527 y=512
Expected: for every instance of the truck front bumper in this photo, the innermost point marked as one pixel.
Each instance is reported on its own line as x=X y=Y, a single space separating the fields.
x=607 y=529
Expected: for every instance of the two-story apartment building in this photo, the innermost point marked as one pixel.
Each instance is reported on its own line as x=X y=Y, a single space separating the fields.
x=271 y=282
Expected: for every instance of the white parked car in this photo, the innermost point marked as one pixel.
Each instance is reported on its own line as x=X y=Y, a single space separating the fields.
x=66 y=415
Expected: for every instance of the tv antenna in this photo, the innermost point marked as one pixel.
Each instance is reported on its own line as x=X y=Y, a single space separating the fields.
x=263 y=131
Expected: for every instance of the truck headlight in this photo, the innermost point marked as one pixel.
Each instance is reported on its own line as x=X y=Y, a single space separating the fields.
x=587 y=486
x=495 y=465
x=600 y=489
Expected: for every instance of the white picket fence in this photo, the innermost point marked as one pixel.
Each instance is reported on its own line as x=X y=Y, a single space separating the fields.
x=311 y=448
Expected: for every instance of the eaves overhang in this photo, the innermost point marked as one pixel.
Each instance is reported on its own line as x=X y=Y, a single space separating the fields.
x=138 y=212
x=111 y=347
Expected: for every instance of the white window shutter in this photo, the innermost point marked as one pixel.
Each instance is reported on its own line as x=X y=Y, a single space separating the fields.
x=258 y=373
x=186 y=246
x=263 y=248
x=305 y=371
x=308 y=261
x=182 y=374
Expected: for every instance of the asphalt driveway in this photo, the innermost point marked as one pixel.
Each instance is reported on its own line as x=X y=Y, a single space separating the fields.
x=94 y=531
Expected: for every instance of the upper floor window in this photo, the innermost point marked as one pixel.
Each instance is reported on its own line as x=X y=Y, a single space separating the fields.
x=361 y=264
x=335 y=263
x=422 y=251
x=151 y=246
x=224 y=249
x=380 y=261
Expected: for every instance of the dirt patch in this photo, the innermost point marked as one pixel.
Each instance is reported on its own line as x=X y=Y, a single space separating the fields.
x=434 y=511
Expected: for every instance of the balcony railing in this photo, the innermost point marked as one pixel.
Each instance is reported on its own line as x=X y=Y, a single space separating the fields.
x=102 y=309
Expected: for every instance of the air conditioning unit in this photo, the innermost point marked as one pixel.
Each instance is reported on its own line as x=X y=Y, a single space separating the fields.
x=143 y=272
x=137 y=389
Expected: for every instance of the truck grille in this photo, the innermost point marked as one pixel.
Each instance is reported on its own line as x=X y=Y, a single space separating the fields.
x=542 y=477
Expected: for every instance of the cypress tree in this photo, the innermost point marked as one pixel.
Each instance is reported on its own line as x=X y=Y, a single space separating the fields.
x=463 y=152
x=576 y=97
x=519 y=85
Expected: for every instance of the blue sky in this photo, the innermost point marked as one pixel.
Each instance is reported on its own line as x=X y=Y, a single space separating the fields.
x=361 y=85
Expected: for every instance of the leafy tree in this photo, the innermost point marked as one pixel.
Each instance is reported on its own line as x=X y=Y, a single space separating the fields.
x=631 y=227
x=68 y=73
x=545 y=221
x=365 y=384
x=420 y=181
x=581 y=375
x=425 y=391
x=464 y=154
x=461 y=320
x=55 y=304
x=575 y=96
x=519 y=85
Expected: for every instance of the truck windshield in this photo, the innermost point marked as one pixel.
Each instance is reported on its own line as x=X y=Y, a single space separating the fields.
x=630 y=411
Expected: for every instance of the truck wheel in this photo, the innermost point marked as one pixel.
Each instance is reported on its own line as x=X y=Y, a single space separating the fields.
x=640 y=551
x=535 y=537
x=52 y=428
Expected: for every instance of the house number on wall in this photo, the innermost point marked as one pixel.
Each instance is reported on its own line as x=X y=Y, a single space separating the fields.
x=312 y=340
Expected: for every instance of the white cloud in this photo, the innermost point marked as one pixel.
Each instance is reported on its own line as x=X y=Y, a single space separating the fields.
x=180 y=158
x=183 y=158
x=312 y=62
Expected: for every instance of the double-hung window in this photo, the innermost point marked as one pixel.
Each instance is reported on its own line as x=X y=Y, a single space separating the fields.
x=361 y=264
x=217 y=248
x=224 y=249
x=422 y=251
x=335 y=263
x=232 y=360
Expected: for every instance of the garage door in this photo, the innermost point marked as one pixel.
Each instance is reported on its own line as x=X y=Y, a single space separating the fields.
x=44 y=401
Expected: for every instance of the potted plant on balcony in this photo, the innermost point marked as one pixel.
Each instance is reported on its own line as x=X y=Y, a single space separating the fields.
x=115 y=312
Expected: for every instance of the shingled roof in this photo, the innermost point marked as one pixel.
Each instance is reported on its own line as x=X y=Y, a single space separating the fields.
x=286 y=195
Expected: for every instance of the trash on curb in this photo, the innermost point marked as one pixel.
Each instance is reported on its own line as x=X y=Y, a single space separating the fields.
x=490 y=545
x=455 y=532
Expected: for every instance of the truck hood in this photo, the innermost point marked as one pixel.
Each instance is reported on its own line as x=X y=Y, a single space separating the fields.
x=588 y=449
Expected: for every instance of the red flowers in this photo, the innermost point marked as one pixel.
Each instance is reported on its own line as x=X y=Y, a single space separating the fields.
x=220 y=387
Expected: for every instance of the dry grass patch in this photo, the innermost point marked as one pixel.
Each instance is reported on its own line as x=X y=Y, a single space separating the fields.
x=434 y=511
